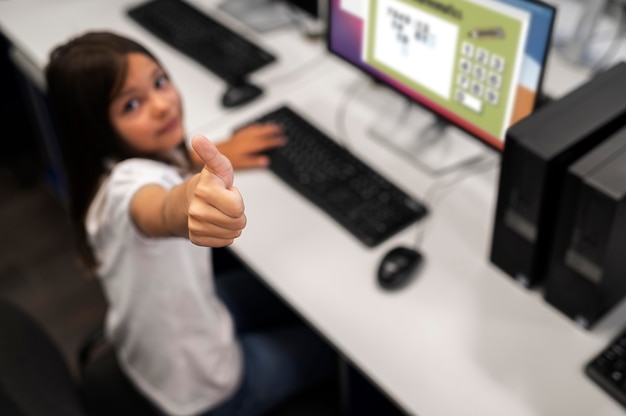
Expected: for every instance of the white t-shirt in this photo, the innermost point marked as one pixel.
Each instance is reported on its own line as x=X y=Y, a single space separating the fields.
x=173 y=336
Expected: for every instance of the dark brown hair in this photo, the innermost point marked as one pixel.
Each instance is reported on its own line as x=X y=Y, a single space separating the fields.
x=83 y=76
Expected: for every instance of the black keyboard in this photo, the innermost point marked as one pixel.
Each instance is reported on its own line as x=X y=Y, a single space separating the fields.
x=351 y=192
x=608 y=368
x=222 y=51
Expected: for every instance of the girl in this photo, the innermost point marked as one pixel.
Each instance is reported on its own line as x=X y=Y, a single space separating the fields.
x=192 y=344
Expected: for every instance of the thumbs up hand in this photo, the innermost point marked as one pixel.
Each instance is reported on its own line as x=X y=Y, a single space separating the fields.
x=216 y=209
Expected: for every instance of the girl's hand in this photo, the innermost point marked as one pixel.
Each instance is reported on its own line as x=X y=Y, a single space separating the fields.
x=216 y=210
x=247 y=147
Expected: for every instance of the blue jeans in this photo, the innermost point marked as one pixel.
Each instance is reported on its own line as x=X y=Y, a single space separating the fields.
x=282 y=355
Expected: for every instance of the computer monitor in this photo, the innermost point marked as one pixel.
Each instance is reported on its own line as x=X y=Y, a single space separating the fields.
x=474 y=64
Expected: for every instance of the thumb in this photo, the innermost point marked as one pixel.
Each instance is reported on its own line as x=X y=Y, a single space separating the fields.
x=214 y=161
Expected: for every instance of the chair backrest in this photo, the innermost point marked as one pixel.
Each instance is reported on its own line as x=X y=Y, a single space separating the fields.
x=104 y=386
x=34 y=377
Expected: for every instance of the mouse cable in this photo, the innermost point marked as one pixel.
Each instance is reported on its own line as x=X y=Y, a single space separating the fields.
x=442 y=187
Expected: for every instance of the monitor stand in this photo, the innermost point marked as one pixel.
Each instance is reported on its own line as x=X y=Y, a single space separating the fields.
x=260 y=15
x=436 y=146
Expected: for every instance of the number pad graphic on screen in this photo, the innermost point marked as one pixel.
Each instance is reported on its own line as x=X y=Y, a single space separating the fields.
x=479 y=77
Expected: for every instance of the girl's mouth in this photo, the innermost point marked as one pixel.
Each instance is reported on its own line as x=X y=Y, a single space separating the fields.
x=171 y=125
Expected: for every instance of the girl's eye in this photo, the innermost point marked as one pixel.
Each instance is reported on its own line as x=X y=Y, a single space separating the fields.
x=161 y=81
x=131 y=105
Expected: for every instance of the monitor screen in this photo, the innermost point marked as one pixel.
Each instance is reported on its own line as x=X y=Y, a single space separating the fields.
x=477 y=64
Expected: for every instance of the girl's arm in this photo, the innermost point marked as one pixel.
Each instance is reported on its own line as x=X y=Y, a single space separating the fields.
x=206 y=208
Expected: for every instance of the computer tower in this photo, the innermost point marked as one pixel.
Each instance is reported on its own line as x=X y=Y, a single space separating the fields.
x=587 y=268
x=538 y=150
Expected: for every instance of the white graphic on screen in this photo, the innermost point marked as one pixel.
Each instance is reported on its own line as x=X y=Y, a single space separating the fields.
x=355 y=7
x=418 y=45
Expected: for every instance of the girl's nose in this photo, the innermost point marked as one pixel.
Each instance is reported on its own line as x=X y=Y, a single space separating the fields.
x=160 y=104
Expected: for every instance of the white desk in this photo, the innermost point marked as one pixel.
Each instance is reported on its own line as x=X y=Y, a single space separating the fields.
x=463 y=338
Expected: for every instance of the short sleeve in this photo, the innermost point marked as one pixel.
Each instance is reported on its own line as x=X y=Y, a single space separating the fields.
x=110 y=208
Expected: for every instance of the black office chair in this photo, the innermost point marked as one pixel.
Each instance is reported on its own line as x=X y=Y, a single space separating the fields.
x=104 y=387
x=35 y=379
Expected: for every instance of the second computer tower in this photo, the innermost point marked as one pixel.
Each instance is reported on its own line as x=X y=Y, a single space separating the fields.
x=587 y=269
x=537 y=153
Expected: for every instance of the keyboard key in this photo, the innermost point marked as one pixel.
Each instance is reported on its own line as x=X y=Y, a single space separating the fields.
x=468 y=101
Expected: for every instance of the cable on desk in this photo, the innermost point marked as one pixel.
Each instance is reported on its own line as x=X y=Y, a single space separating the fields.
x=440 y=188
x=298 y=19
x=616 y=41
x=340 y=116
x=279 y=79
x=445 y=183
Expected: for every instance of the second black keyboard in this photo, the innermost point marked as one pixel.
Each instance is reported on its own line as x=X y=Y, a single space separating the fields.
x=351 y=192
x=222 y=51
x=608 y=368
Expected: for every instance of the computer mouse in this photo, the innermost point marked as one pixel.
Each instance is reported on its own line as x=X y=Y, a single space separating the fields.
x=240 y=94
x=398 y=266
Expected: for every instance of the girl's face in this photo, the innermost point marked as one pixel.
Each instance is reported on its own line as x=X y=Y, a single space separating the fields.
x=147 y=112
